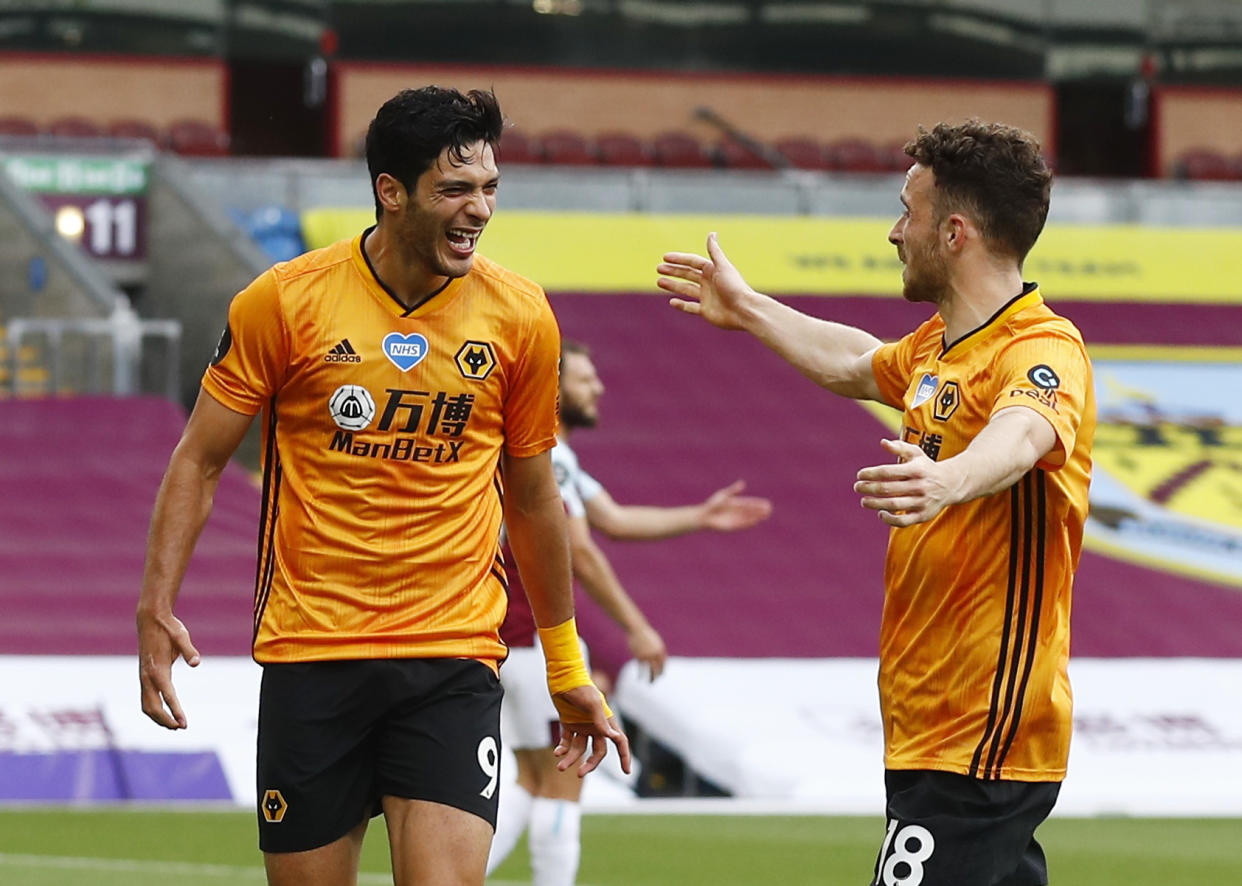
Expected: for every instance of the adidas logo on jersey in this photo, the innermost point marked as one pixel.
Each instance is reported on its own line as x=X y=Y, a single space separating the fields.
x=342 y=353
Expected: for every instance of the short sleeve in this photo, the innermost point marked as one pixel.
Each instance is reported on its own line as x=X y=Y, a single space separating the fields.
x=1050 y=373
x=530 y=403
x=892 y=364
x=588 y=486
x=252 y=358
x=565 y=469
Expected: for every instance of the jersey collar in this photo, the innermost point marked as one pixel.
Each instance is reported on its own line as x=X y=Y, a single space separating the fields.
x=380 y=289
x=1029 y=297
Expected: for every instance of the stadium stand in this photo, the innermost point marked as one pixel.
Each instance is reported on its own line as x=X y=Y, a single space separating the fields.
x=1206 y=164
x=75 y=520
x=137 y=129
x=74 y=127
x=277 y=230
x=732 y=154
x=11 y=125
x=622 y=149
x=517 y=147
x=854 y=155
x=802 y=152
x=679 y=150
x=197 y=138
x=567 y=148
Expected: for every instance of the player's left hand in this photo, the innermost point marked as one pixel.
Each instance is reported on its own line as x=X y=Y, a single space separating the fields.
x=584 y=727
x=727 y=510
x=912 y=491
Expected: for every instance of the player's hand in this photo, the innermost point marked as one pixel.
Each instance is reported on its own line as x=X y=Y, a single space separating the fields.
x=585 y=728
x=912 y=491
x=161 y=640
x=648 y=647
x=727 y=510
x=708 y=287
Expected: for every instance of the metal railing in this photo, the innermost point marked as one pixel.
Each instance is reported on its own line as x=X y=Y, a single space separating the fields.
x=94 y=355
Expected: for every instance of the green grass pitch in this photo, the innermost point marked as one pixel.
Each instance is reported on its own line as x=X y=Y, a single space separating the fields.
x=114 y=847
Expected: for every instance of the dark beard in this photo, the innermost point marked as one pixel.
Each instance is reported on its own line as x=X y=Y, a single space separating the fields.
x=574 y=417
x=930 y=284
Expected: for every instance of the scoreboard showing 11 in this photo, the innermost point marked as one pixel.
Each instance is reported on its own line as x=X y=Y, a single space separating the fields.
x=98 y=201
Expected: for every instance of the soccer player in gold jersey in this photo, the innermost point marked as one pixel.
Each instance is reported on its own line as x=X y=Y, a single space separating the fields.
x=986 y=498
x=408 y=388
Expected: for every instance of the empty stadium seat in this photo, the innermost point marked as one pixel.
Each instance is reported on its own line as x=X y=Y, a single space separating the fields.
x=622 y=149
x=197 y=138
x=732 y=154
x=74 y=127
x=567 y=148
x=277 y=230
x=802 y=152
x=516 y=147
x=13 y=125
x=854 y=155
x=136 y=129
x=679 y=150
x=894 y=157
x=1205 y=164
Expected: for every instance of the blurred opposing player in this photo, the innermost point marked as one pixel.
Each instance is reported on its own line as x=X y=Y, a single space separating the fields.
x=987 y=498
x=545 y=802
x=406 y=384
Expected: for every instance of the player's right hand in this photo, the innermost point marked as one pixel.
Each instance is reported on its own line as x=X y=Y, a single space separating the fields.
x=161 y=640
x=711 y=287
x=585 y=725
x=648 y=647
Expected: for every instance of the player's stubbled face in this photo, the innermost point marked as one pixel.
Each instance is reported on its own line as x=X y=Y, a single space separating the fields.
x=581 y=389
x=916 y=234
x=451 y=204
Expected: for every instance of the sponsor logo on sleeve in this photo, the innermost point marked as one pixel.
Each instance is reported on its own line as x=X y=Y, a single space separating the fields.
x=223 y=346
x=1042 y=376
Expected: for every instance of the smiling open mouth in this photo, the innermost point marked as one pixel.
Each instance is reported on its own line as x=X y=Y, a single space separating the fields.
x=462 y=240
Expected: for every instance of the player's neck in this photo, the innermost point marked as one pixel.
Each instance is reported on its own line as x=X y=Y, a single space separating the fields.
x=974 y=298
x=405 y=276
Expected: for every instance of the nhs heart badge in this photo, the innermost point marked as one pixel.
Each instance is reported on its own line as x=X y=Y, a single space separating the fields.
x=405 y=351
x=924 y=392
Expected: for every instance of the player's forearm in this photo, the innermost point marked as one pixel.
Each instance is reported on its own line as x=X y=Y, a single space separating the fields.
x=1010 y=445
x=830 y=354
x=182 y=507
x=595 y=573
x=645 y=522
x=537 y=538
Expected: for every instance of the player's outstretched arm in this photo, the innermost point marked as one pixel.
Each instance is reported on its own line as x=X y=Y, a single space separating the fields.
x=833 y=355
x=182 y=506
x=725 y=510
x=917 y=488
x=535 y=521
x=594 y=571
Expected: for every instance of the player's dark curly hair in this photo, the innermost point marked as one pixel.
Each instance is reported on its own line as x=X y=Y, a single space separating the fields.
x=413 y=127
x=991 y=172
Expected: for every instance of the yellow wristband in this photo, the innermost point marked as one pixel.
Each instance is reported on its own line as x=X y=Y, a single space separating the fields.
x=566 y=669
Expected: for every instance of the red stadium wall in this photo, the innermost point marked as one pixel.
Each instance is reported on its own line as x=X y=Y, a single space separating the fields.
x=1197 y=117
x=43 y=87
x=879 y=109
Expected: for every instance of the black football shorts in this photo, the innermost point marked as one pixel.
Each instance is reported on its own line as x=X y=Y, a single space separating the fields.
x=336 y=736
x=945 y=829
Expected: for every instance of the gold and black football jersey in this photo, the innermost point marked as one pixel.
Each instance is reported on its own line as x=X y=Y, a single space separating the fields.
x=383 y=430
x=974 y=641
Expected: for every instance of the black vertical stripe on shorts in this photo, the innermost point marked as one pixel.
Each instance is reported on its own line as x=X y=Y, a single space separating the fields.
x=1016 y=658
